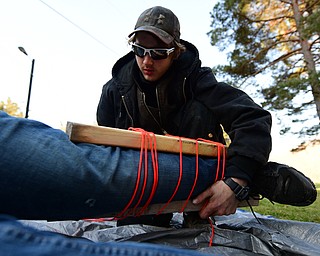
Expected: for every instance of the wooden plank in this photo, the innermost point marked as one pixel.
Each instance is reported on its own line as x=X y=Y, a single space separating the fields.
x=175 y=206
x=132 y=139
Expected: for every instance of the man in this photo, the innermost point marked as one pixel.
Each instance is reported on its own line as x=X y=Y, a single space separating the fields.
x=161 y=87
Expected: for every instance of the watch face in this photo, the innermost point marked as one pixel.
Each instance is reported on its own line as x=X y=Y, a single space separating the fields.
x=243 y=194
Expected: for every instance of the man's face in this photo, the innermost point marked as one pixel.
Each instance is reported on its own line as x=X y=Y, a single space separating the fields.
x=151 y=69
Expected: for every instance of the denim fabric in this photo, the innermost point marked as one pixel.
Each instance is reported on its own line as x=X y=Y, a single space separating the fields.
x=17 y=240
x=46 y=176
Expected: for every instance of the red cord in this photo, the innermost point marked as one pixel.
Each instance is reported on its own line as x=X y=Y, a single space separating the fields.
x=121 y=214
x=143 y=154
x=148 y=140
x=195 y=177
x=153 y=149
x=178 y=182
x=220 y=150
x=212 y=232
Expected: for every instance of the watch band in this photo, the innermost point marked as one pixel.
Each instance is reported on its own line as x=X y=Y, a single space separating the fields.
x=241 y=192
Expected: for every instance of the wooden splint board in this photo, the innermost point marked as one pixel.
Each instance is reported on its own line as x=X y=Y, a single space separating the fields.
x=101 y=135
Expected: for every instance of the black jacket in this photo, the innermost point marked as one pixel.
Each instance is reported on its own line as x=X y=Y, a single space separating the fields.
x=191 y=103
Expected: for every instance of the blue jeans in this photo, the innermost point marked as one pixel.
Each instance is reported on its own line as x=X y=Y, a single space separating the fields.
x=16 y=240
x=46 y=176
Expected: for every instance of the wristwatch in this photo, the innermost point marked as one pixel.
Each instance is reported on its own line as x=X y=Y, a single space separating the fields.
x=242 y=193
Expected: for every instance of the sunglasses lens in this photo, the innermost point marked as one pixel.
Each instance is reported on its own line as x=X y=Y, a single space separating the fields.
x=156 y=54
x=140 y=52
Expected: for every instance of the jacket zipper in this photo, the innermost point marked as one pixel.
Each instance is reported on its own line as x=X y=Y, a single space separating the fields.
x=158 y=102
x=125 y=106
x=155 y=119
x=184 y=90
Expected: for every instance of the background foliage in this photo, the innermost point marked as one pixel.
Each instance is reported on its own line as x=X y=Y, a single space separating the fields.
x=279 y=40
x=11 y=108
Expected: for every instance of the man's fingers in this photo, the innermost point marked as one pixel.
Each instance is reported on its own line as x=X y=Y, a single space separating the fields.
x=219 y=200
x=203 y=196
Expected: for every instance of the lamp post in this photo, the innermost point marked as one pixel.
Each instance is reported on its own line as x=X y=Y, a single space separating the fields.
x=30 y=83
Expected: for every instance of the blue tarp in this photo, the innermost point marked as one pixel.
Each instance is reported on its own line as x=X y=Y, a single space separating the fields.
x=237 y=234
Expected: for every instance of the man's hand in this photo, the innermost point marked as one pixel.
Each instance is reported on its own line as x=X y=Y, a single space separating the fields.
x=220 y=200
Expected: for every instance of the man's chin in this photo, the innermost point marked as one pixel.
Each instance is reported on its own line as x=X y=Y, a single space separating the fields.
x=150 y=78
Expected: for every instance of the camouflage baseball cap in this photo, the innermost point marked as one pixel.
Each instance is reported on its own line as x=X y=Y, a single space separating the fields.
x=161 y=22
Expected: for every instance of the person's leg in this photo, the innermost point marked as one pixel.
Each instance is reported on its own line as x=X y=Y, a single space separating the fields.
x=46 y=176
x=284 y=184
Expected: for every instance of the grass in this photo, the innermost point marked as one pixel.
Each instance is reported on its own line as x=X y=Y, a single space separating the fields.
x=306 y=214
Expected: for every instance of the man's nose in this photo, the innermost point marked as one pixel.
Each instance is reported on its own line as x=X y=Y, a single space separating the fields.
x=147 y=59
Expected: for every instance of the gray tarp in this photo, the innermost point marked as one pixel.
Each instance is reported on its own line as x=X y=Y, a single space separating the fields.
x=237 y=234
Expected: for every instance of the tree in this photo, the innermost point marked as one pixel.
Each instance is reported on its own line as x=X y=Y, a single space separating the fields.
x=278 y=38
x=11 y=108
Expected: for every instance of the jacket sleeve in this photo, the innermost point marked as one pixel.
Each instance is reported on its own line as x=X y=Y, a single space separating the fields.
x=246 y=123
x=105 y=110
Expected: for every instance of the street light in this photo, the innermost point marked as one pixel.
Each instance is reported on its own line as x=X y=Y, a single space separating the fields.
x=30 y=83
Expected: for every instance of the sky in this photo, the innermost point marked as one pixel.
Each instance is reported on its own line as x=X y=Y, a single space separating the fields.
x=75 y=44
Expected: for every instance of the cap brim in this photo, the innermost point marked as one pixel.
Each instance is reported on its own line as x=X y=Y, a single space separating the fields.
x=161 y=34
